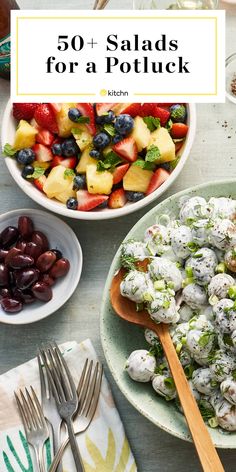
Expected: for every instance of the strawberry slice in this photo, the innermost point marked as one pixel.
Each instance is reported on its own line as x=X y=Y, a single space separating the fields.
x=158 y=178
x=24 y=111
x=39 y=183
x=86 y=109
x=42 y=153
x=117 y=199
x=102 y=108
x=178 y=146
x=119 y=173
x=127 y=148
x=55 y=107
x=151 y=109
x=88 y=201
x=134 y=109
x=69 y=162
x=178 y=130
x=45 y=117
x=44 y=137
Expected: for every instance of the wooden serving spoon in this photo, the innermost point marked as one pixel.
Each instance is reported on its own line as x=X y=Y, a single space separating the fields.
x=126 y=309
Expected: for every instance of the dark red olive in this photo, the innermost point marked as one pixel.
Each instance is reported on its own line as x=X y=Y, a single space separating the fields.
x=21 y=244
x=12 y=253
x=25 y=277
x=40 y=239
x=25 y=226
x=57 y=253
x=28 y=297
x=3 y=254
x=42 y=291
x=9 y=236
x=10 y=305
x=4 y=275
x=60 y=268
x=47 y=280
x=17 y=294
x=12 y=281
x=33 y=250
x=45 y=261
x=5 y=293
x=21 y=261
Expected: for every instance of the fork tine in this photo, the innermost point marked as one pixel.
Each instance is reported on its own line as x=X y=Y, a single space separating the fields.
x=42 y=378
x=84 y=389
x=91 y=388
x=38 y=407
x=95 y=399
x=81 y=380
x=50 y=378
x=22 y=413
x=34 y=412
x=69 y=376
x=30 y=418
x=56 y=375
x=64 y=379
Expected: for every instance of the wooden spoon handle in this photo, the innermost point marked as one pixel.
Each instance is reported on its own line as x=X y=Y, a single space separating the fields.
x=207 y=453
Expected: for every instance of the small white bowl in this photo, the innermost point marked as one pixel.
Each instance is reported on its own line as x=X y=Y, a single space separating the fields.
x=7 y=136
x=61 y=237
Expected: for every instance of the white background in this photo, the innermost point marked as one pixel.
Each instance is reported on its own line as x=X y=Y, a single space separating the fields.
x=38 y=39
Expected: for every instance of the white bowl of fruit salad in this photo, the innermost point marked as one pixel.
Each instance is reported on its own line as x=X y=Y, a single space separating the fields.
x=96 y=161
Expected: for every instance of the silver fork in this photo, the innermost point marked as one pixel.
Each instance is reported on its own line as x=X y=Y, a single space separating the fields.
x=35 y=426
x=49 y=408
x=88 y=391
x=65 y=394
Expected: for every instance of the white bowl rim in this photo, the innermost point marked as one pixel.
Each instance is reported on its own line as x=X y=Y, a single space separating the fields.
x=103 y=336
x=14 y=320
x=106 y=214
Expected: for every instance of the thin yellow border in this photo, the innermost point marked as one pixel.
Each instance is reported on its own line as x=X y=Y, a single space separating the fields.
x=117 y=18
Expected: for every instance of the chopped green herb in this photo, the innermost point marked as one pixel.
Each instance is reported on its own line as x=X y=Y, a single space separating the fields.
x=205 y=338
x=144 y=165
x=109 y=128
x=153 y=154
x=38 y=172
x=187 y=281
x=188 y=370
x=193 y=247
x=139 y=306
x=128 y=262
x=197 y=256
x=189 y=271
x=109 y=163
x=76 y=131
x=82 y=120
x=234 y=374
x=213 y=422
x=156 y=349
x=166 y=304
x=159 y=285
x=220 y=268
x=169 y=125
x=232 y=292
x=69 y=173
x=9 y=151
x=207 y=411
x=173 y=164
x=152 y=122
x=169 y=382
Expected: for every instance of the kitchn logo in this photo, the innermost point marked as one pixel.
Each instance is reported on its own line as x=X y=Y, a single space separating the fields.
x=114 y=93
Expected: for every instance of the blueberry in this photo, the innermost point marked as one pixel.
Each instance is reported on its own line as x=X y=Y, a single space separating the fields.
x=72 y=203
x=79 y=182
x=56 y=149
x=124 y=124
x=69 y=148
x=178 y=113
x=74 y=114
x=95 y=153
x=99 y=120
x=101 y=140
x=25 y=156
x=103 y=205
x=109 y=117
x=134 y=196
x=27 y=171
x=117 y=138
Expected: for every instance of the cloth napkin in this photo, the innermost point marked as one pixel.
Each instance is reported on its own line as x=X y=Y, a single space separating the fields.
x=104 y=446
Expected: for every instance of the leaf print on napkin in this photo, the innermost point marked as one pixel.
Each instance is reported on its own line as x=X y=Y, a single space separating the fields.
x=29 y=467
x=108 y=464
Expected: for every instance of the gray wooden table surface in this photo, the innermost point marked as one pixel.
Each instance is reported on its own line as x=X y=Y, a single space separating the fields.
x=212 y=158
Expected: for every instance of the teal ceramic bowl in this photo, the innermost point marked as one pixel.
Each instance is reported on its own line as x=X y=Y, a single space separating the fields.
x=119 y=338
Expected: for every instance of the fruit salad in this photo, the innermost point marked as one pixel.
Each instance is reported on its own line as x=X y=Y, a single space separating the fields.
x=95 y=156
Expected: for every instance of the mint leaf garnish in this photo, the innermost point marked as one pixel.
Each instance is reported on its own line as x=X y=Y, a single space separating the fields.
x=69 y=173
x=38 y=172
x=109 y=163
x=144 y=165
x=8 y=150
x=153 y=154
x=109 y=128
x=152 y=122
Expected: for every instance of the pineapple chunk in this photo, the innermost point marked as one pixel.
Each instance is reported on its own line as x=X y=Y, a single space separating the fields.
x=68 y=192
x=107 y=149
x=25 y=136
x=83 y=138
x=137 y=179
x=162 y=139
x=140 y=133
x=44 y=165
x=64 y=123
x=84 y=161
x=56 y=182
x=98 y=182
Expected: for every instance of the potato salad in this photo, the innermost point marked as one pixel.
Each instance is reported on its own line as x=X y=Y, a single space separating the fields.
x=190 y=283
